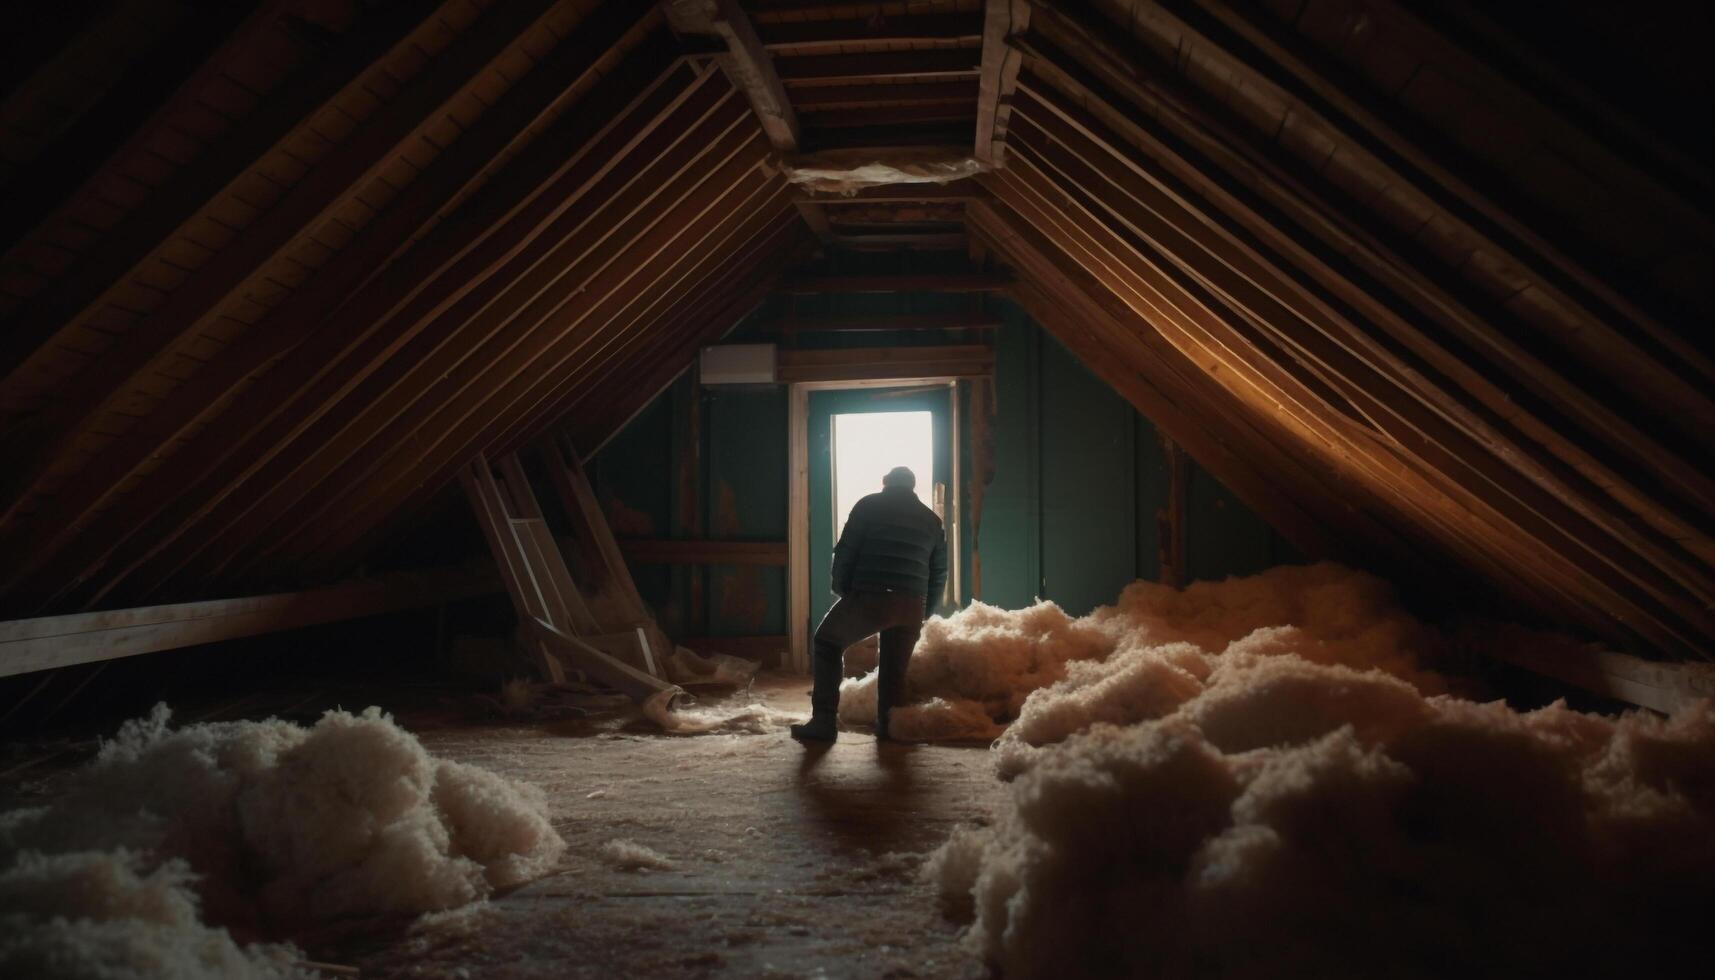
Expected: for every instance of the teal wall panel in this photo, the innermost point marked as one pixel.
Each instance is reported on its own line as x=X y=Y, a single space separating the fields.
x=1071 y=514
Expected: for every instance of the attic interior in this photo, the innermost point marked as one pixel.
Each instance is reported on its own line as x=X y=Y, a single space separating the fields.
x=428 y=427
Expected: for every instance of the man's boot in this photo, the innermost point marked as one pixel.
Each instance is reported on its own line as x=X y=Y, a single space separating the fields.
x=824 y=723
x=820 y=728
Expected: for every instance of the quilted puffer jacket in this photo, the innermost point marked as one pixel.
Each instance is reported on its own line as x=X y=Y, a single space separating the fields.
x=891 y=543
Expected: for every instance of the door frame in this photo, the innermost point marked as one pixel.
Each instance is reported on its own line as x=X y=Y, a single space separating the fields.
x=798 y=495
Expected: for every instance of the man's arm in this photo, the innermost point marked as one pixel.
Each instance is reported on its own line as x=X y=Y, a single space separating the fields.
x=846 y=552
x=937 y=573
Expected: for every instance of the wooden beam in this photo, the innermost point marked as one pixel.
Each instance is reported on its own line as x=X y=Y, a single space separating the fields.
x=385 y=397
x=746 y=62
x=972 y=282
x=686 y=551
x=1663 y=687
x=608 y=392
x=451 y=420
x=855 y=117
x=840 y=32
x=144 y=346
x=1000 y=62
x=675 y=349
x=60 y=641
x=801 y=323
x=884 y=363
x=171 y=205
x=829 y=98
x=181 y=49
x=964 y=189
x=880 y=64
x=375 y=331
x=579 y=655
x=304 y=314
x=905 y=241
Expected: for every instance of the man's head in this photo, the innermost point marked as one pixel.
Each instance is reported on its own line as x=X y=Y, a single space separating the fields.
x=899 y=478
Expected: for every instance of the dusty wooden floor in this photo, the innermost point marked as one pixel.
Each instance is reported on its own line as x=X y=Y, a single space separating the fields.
x=786 y=862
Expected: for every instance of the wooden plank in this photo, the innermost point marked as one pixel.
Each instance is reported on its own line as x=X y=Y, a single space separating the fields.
x=798 y=529
x=616 y=309
x=839 y=32
x=830 y=98
x=805 y=323
x=144 y=346
x=687 y=551
x=590 y=523
x=1663 y=687
x=973 y=282
x=879 y=64
x=188 y=49
x=965 y=189
x=878 y=363
x=1441 y=321
x=999 y=72
x=746 y=62
x=676 y=348
x=607 y=304
x=419 y=319
x=365 y=335
x=305 y=311
x=61 y=641
x=617 y=674
x=170 y=206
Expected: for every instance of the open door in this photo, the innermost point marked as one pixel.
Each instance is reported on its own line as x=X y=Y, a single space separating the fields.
x=856 y=436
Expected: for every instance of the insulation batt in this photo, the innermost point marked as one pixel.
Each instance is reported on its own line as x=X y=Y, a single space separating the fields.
x=1258 y=778
x=269 y=824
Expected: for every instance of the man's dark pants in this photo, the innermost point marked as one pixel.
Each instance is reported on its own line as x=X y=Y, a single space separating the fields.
x=897 y=616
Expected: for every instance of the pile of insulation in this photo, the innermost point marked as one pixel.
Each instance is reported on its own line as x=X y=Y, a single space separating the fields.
x=1260 y=777
x=174 y=841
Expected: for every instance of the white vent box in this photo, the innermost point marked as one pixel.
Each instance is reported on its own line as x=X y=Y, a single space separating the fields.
x=738 y=364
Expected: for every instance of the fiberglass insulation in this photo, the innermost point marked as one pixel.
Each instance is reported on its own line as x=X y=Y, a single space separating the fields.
x=269 y=826
x=1259 y=777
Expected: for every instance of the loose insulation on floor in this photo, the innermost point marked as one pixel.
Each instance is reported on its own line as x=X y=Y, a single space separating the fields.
x=268 y=827
x=1263 y=777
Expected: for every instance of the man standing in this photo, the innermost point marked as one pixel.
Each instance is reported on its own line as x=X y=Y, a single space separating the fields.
x=889 y=568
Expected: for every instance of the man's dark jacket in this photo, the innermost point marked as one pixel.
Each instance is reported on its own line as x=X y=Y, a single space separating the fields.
x=891 y=543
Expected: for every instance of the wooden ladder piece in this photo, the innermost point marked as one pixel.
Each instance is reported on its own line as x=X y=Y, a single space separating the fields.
x=542 y=588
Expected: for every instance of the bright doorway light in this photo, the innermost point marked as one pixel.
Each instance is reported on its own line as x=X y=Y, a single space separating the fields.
x=868 y=444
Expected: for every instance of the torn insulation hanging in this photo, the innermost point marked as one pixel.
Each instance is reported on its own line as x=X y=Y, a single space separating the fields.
x=848 y=171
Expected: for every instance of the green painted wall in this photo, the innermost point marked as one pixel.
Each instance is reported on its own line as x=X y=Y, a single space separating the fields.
x=1069 y=516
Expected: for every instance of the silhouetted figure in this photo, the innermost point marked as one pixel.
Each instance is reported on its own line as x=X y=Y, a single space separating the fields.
x=889 y=566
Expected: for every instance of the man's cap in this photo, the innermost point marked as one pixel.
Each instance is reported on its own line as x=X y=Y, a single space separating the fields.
x=900 y=476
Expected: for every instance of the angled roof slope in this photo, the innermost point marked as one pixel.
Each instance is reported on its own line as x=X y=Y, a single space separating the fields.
x=1399 y=278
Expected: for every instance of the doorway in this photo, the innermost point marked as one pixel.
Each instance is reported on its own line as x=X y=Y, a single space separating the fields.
x=852 y=434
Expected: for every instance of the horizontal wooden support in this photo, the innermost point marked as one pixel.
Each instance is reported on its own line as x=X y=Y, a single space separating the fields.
x=942 y=241
x=824 y=98
x=686 y=551
x=881 y=322
x=975 y=282
x=764 y=648
x=954 y=190
x=885 y=364
x=923 y=27
x=48 y=642
x=880 y=64
x=897 y=115
x=1621 y=677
